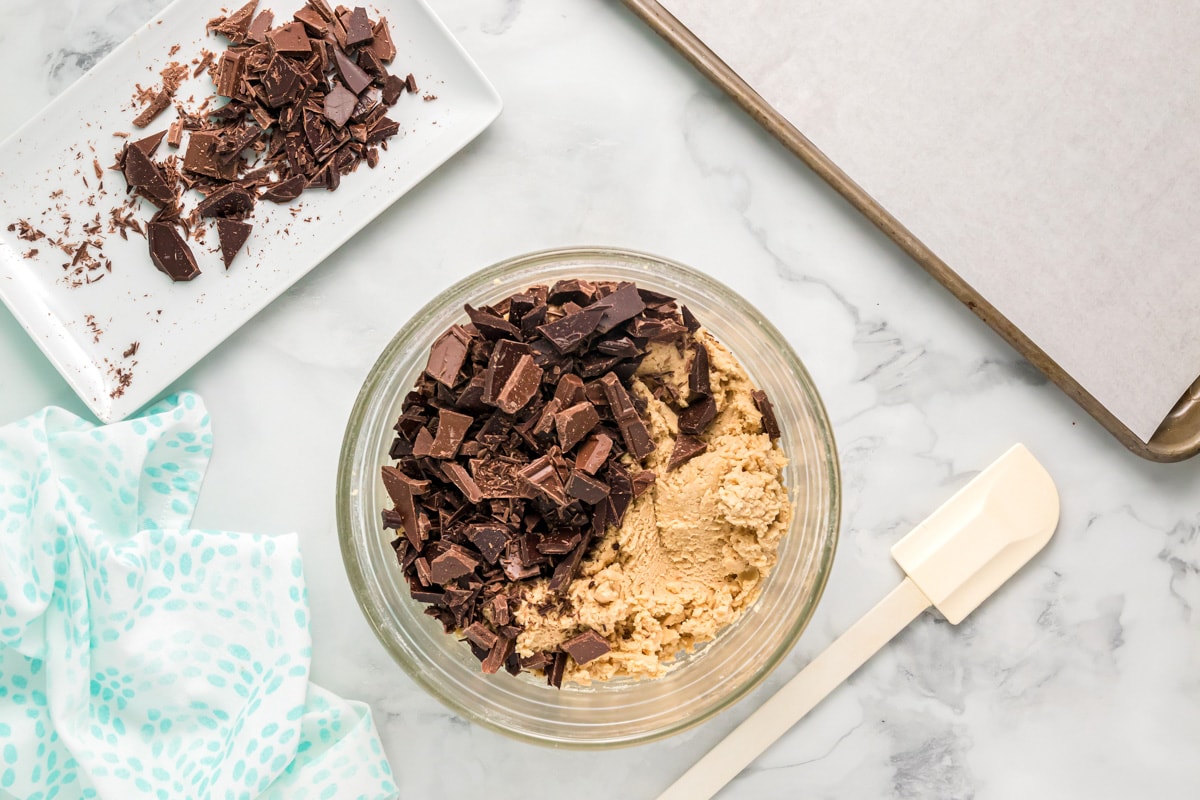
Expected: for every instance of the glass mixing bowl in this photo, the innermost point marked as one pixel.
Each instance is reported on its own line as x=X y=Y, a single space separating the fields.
x=622 y=711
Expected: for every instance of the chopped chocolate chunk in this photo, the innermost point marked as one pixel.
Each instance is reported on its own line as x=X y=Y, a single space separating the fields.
x=587 y=646
x=400 y=486
x=633 y=429
x=411 y=83
x=290 y=39
x=358 y=27
x=554 y=675
x=283 y=81
x=642 y=481
x=452 y=428
x=621 y=306
x=447 y=355
x=382 y=44
x=698 y=373
x=770 y=424
x=201 y=157
x=543 y=477
x=686 y=448
x=689 y=320
x=696 y=418
x=593 y=454
x=569 y=391
x=480 y=634
x=286 y=190
x=575 y=423
x=257 y=32
x=491 y=326
x=453 y=562
x=234 y=26
x=339 y=105
x=459 y=476
x=355 y=78
x=230 y=200
x=501 y=650
x=568 y=333
x=589 y=490
x=393 y=87
x=147 y=176
x=170 y=252
x=232 y=235
x=489 y=538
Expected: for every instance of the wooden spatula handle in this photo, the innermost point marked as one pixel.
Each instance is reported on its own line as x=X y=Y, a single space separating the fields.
x=801 y=694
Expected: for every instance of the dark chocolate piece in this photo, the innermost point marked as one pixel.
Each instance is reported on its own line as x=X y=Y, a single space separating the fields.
x=696 y=418
x=699 y=383
x=393 y=87
x=622 y=305
x=686 y=448
x=543 y=477
x=480 y=634
x=554 y=675
x=642 y=481
x=633 y=429
x=382 y=44
x=587 y=646
x=501 y=366
x=144 y=174
x=500 y=652
x=770 y=424
x=569 y=391
x=170 y=252
x=286 y=190
x=453 y=562
x=689 y=320
x=490 y=539
x=231 y=200
x=568 y=333
x=465 y=483
x=201 y=157
x=589 y=490
x=232 y=235
x=491 y=326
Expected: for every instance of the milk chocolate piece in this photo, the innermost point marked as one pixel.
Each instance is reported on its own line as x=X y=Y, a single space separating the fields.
x=201 y=157
x=770 y=424
x=587 y=646
x=149 y=144
x=290 y=39
x=234 y=26
x=575 y=423
x=452 y=428
x=170 y=252
x=232 y=235
x=696 y=418
x=459 y=476
x=447 y=355
x=382 y=44
x=229 y=73
x=339 y=105
x=358 y=27
x=686 y=448
x=593 y=454
x=230 y=200
x=520 y=387
x=569 y=391
x=158 y=104
x=423 y=443
x=355 y=78
x=257 y=32
x=589 y=490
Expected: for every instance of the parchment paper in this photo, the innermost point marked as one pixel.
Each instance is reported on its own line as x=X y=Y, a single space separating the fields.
x=1047 y=150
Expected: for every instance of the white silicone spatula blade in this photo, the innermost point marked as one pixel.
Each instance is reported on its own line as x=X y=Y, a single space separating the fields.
x=953 y=560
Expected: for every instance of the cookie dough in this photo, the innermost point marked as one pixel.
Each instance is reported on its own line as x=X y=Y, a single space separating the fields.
x=693 y=550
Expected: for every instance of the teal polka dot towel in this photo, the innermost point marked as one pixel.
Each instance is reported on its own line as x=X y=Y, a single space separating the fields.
x=140 y=658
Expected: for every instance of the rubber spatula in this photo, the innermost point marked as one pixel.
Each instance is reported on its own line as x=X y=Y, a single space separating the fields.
x=953 y=561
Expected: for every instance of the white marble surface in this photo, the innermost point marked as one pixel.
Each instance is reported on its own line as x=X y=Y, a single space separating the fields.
x=1081 y=678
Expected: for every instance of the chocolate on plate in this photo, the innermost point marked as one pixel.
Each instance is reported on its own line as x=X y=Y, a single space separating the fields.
x=522 y=446
x=299 y=103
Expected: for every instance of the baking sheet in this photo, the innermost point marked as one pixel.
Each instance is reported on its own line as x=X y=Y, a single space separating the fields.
x=1040 y=149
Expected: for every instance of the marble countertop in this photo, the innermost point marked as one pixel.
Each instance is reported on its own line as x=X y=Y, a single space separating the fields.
x=1078 y=679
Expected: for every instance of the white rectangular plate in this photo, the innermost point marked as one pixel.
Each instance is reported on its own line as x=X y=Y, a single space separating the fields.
x=87 y=330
